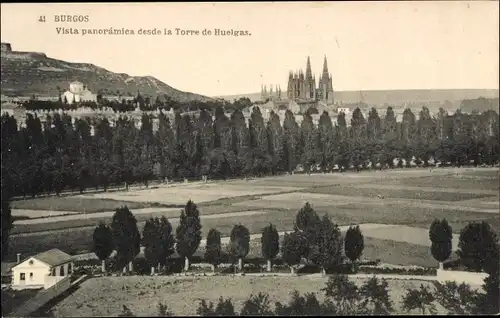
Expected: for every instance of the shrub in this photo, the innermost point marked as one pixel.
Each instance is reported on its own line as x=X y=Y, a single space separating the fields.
x=457 y=299
x=257 y=305
x=163 y=311
x=223 y=308
x=421 y=298
x=375 y=297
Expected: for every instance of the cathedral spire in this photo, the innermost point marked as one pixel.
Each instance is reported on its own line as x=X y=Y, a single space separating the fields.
x=325 y=68
x=308 y=68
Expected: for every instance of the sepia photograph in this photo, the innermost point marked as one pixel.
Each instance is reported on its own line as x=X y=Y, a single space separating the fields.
x=300 y=158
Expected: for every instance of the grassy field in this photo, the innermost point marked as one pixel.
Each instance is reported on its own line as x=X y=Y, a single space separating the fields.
x=347 y=205
x=199 y=192
x=396 y=193
x=171 y=214
x=79 y=204
x=481 y=182
x=79 y=240
x=105 y=296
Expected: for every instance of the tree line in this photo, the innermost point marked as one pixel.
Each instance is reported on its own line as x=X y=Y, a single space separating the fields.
x=478 y=250
x=144 y=103
x=316 y=239
x=58 y=155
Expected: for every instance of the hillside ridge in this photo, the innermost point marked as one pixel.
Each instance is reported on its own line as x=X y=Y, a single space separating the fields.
x=33 y=73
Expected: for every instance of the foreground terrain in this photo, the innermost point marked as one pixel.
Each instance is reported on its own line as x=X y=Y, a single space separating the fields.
x=105 y=296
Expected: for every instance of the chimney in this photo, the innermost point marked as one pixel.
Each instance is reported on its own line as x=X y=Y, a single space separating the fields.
x=18 y=258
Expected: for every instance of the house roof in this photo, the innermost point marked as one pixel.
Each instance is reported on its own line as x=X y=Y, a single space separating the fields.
x=53 y=257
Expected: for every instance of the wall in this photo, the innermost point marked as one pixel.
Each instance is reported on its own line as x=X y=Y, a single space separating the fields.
x=39 y=270
x=459 y=277
x=42 y=298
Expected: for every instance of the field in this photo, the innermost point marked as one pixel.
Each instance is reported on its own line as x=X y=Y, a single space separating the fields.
x=410 y=199
x=75 y=204
x=183 y=294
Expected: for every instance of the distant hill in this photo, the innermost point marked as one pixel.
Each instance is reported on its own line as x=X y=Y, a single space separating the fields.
x=29 y=73
x=395 y=97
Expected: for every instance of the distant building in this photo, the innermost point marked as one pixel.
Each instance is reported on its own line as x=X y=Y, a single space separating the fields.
x=43 y=270
x=266 y=96
x=302 y=92
x=345 y=110
x=303 y=86
x=78 y=93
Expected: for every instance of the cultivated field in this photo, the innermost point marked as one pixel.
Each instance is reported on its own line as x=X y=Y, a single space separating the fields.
x=105 y=296
x=73 y=204
x=408 y=198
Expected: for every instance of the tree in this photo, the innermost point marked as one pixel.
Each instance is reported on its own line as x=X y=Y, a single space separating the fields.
x=326 y=250
x=257 y=305
x=239 y=244
x=477 y=246
x=223 y=308
x=103 y=243
x=342 y=295
x=167 y=240
x=375 y=297
x=421 y=298
x=7 y=220
x=308 y=222
x=213 y=249
x=354 y=243
x=188 y=233
x=441 y=236
x=126 y=236
x=307 y=305
x=457 y=299
x=294 y=247
x=270 y=244
x=151 y=240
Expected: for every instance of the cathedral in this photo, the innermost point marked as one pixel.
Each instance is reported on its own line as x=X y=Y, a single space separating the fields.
x=303 y=92
x=302 y=87
x=270 y=95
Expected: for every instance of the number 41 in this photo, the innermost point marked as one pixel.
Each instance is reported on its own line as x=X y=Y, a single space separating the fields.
x=41 y=19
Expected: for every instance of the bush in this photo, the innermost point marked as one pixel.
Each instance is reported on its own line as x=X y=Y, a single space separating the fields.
x=257 y=305
x=223 y=308
x=398 y=271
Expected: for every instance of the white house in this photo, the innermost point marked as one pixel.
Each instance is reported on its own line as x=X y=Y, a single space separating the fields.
x=42 y=270
x=78 y=93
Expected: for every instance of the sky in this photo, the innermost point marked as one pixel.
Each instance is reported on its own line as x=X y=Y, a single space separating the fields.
x=369 y=45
